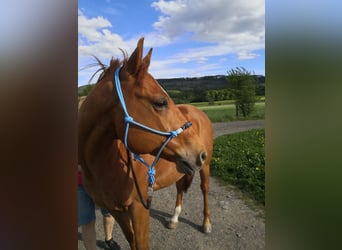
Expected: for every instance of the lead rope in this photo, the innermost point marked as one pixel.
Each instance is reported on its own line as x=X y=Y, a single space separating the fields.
x=147 y=203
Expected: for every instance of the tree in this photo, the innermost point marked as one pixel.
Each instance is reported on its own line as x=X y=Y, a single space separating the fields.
x=211 y=96
x=84 y=90
x=242 y=85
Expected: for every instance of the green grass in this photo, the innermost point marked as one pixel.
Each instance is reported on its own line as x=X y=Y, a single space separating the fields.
x=224 y=102
x=225 y=111
x=239 y=159
x=205 y=104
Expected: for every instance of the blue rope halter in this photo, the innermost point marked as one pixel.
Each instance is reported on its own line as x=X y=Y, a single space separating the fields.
x=129 y=120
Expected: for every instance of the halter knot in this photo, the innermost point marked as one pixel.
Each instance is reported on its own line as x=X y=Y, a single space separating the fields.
x=174 y=133
x=151 y=179
x=128 y=119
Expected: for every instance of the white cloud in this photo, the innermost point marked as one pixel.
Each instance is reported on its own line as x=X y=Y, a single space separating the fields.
x=95 y=38
x=235 y=24
x=173 y=68
x=222 y=27
x=246 y=55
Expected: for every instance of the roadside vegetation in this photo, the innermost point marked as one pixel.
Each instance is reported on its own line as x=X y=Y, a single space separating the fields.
x=239 y=159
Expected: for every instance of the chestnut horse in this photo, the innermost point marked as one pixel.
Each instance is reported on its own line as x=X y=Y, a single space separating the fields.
x=203 y=126
x=104 y=117
x=126 y=206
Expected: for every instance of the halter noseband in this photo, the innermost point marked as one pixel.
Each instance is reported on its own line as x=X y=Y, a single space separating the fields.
x=129 y=120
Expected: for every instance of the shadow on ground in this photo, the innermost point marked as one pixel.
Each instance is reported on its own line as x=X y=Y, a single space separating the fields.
x=99 y=243
x=164 y=218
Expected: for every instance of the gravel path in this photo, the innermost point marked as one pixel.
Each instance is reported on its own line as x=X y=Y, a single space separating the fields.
x=222 y=128
x=237 y=222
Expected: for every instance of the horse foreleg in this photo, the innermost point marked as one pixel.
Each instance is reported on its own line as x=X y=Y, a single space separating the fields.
x=204 y=174
x=140 y=220
x=172 y=224
x=125 y=222
x=182 y=186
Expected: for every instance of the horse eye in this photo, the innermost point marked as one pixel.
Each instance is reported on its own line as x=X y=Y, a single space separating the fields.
x=161 y=104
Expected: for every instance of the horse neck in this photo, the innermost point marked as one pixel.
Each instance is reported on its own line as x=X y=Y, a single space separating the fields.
x=96 y=123
x=166 y=173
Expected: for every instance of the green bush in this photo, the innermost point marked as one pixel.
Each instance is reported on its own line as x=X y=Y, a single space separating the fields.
x=239 y=159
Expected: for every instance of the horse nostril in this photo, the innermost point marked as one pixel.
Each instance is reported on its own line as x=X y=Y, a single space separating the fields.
x=203 y=156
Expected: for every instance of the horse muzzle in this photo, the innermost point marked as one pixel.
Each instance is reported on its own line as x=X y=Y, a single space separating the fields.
x=189 y=166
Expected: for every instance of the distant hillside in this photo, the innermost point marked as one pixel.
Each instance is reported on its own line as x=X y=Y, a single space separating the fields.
x=206 y=82
x=203 y=83
x=192 y=83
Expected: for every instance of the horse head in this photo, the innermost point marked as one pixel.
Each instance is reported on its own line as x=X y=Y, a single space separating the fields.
x=149 y=104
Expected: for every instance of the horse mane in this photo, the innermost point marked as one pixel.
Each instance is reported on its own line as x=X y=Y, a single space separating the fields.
x=105 y=69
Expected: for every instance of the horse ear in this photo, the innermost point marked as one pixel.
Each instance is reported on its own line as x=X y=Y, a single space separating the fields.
x=134 y=61
x=147 y=59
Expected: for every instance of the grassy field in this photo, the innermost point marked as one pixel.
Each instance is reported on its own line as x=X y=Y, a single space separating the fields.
x=225 y=111
x=239 y=159
x=224 y=102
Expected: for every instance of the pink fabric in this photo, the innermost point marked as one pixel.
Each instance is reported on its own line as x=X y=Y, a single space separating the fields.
x=80 y=182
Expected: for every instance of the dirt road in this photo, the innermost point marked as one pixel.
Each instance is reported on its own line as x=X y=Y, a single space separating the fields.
x=237 y=222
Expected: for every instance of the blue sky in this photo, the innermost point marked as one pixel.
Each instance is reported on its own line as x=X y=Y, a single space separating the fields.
x=189 y=38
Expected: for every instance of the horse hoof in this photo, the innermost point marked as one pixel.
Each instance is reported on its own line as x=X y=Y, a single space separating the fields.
x=172 y=225
x=207 y=228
